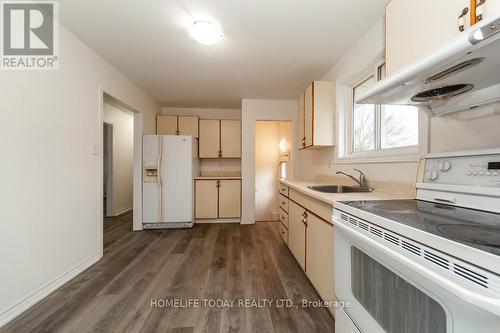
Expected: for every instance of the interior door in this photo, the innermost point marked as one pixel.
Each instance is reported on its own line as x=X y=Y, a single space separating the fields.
x=230 y=138
x=209 y=138
x=309 y=114
x=297 y=233
x=319 y=252
x=188 y=126
x=301 y=124
x=230 y=198
x=206 y=199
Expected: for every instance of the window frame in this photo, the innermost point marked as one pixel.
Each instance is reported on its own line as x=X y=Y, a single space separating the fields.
x=345 y=119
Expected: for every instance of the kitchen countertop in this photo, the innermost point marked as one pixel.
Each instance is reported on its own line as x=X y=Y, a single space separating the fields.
x=215 y=177
x=331 y=198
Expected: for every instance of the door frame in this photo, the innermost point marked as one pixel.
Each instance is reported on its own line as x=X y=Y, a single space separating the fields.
x=109 y=164
x=137 y=172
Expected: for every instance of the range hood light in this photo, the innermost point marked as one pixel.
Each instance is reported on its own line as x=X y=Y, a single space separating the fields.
x=478 y=35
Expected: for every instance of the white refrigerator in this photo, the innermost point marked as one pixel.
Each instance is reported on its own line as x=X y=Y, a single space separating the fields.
x=170 y=163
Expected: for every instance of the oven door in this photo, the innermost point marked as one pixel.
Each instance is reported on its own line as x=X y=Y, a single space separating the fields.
x=386 y=295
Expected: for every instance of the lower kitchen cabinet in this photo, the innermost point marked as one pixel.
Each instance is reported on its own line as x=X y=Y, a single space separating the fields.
x=297 y=233
x=206 y=206
x=319 y=254
x=217 y=198
x=229 y=198
x=309 y=236
x=284 y=233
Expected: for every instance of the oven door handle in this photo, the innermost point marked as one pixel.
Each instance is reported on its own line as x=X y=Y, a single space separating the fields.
x=486 y=303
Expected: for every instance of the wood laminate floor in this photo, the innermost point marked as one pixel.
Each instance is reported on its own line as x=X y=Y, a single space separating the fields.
x=210 y=261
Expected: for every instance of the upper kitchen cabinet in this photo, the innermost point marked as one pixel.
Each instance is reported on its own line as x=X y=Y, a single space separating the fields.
x=487 y=9
x=230 y=136
x=177 y=125
x=209 y=138
x=301 y=135
x=416 y=28
x=188 y=125
x=317 y=115
x=166 y=125
x=220 y=138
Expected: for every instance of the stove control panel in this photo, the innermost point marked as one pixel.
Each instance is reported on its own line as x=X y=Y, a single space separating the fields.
x=470 y=170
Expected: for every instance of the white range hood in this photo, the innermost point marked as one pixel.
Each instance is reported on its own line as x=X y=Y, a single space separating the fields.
x=462 y=74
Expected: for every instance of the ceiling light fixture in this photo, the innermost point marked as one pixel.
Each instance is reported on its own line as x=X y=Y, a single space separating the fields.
x=205 y=33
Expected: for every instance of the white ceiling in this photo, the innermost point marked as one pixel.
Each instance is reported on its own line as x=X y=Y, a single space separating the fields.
x=271 y=48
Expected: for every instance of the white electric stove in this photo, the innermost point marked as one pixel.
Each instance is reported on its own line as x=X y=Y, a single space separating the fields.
x=428 y=265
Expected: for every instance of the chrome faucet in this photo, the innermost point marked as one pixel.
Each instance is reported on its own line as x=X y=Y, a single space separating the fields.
x=362 y=181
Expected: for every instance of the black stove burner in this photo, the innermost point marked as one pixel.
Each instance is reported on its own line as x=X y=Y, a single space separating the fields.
x=481 y=235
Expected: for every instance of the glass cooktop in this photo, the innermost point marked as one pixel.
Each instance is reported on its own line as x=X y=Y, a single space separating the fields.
x=470 y=227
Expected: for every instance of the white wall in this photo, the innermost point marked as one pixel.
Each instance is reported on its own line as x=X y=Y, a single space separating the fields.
x=444 y=133
x=253 y=110
x=123 y=157
x=267 y=139
x=51 y=192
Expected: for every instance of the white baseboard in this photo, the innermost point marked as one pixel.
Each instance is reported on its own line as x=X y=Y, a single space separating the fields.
x=123 y=210
x=247 y=221
x=6 y=315
x=203 y=221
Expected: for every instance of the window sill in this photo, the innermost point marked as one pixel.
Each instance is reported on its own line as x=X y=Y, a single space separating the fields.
x=412 y=156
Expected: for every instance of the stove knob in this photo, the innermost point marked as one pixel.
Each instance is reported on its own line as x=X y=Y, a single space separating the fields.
x=445 y=166
x=432 y=175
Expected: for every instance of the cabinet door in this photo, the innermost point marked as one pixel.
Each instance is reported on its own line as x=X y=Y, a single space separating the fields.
x=408 y=36
x=166 y=125
x=230 y=198
x=297 y=233
x=491 y=9
x=209 y=144
x=230 y=138
x=206 y=199
x=188 y=126
x=300 y=126
x=319 y=253
x=309 y=114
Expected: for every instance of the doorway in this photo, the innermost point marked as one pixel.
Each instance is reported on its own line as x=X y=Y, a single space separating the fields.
x=107 y=169
x=272 y=147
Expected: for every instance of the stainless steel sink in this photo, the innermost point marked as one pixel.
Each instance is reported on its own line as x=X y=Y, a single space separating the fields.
x=340 y=189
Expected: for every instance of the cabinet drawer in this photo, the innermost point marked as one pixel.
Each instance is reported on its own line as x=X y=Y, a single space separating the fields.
x=284 y=190
x=284 y=233
x=283 y=201
x=283 y=218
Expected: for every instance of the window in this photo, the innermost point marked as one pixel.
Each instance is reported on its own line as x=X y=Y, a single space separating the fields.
x=379 y=127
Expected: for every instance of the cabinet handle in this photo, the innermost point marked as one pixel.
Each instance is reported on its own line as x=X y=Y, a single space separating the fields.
x=461 y=19
x=304 y=218
x=479 y=10
x=220 y=153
